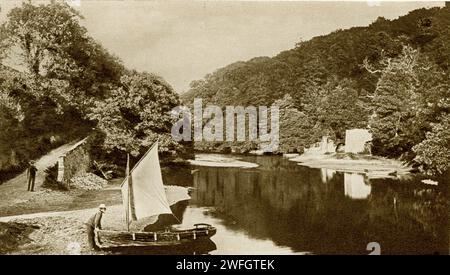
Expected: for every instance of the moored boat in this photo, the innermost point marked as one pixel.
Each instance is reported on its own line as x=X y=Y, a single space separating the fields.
x=144 y=197
x=112 y=238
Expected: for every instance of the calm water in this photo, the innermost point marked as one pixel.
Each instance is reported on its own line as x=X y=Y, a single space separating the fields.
x=283 y=208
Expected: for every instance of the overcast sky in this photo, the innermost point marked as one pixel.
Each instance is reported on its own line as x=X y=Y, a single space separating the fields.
x=184 y=40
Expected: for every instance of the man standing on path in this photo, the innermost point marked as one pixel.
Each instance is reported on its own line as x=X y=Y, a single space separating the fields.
x=94 y=222
x=31 y=176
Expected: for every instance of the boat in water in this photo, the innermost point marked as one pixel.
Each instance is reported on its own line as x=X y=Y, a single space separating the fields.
x=144 y=198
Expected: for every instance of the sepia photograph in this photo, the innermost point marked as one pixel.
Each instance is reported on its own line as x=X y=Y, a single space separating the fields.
x=224 y=127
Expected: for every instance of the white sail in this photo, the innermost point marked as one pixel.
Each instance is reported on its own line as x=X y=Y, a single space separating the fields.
x=143 y=191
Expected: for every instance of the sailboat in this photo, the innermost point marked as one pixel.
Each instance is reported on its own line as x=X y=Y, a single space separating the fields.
x=144 y=197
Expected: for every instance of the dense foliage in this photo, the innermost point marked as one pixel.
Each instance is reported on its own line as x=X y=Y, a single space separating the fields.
x=58 y=84
x=137 y=114
x=391 y=77
x=433 y=153
x=409 y=97
x=49 y=41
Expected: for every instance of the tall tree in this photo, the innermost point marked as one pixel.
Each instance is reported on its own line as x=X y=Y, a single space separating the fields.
x=393 y=105
x=65 y=63
x=297 y=130
x=340 y=108
x=433 y=154
x=410 y=95
x=137 y=114
x=44 y=35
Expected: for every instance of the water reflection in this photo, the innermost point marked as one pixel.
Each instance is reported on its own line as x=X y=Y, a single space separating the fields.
x=323 y=212
x=327 y=174
x=355 y=186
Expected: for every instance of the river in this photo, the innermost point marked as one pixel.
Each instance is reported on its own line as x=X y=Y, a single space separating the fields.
x=281 y=207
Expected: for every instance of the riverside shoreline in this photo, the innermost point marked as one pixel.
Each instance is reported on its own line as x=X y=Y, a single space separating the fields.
x=372 y=166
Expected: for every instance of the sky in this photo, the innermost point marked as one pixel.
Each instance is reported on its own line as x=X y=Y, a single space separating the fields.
x=185 y=40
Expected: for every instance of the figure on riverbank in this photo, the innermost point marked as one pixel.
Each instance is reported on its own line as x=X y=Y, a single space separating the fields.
x=94 y=222
x=31 y=176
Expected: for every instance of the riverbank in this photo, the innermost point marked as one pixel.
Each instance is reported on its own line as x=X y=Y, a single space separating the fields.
x=372 y=166
x=51 y=233
x=16 y=200
x=51 y=221
x=63 y=232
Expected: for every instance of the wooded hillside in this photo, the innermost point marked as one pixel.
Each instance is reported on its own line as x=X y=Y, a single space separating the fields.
x=391 y=76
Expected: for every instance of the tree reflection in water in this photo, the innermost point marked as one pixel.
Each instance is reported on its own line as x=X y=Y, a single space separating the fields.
x=324 y=211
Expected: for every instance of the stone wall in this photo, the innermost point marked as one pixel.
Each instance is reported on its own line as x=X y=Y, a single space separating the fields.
x=74 y=163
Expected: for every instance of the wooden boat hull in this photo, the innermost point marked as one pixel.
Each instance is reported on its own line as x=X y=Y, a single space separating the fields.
x=106 y=239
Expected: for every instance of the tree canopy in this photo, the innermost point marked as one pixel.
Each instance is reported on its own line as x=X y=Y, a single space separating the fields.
x=390 y=77
x=59 y=84
x=137 y=114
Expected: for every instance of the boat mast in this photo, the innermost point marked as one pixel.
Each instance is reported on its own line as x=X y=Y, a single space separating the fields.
x=128 y=195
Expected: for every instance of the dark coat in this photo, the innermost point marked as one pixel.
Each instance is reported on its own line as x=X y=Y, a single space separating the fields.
x=32 y=170
x=96 y=220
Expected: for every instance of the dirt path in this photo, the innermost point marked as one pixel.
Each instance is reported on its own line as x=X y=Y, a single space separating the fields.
x=55 y=220
x=14 y=192
x=15 y=200
x=112 y=219
x=62 y=232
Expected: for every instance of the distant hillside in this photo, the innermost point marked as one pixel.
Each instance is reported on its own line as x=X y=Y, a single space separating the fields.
x=262 y=80
x=392 y=76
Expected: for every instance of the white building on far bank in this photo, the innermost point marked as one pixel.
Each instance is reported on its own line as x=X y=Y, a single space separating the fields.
x=356 y=139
